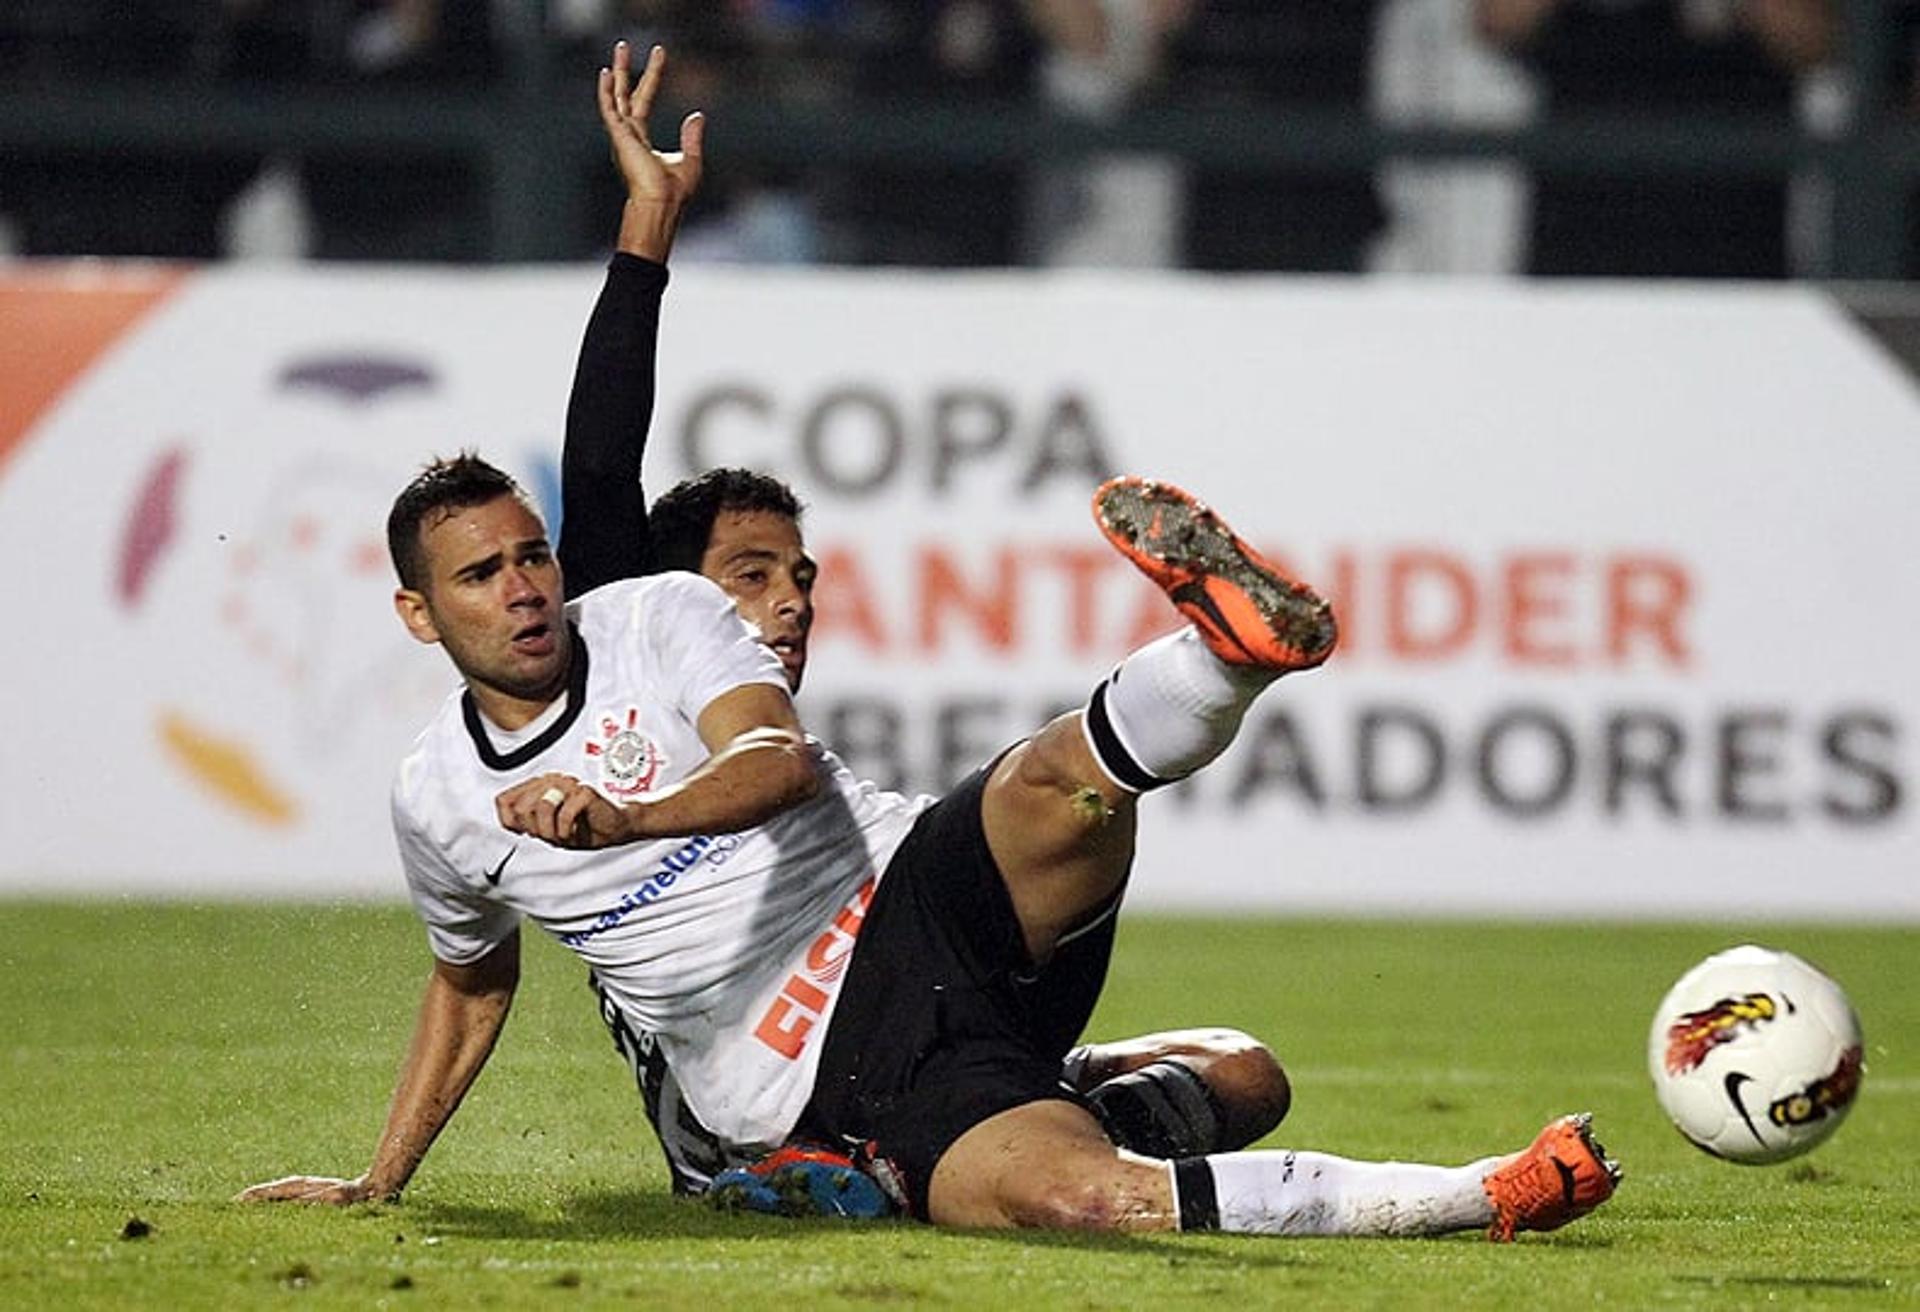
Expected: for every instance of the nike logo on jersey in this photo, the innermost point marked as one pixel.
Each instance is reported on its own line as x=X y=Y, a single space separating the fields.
x=493 y=875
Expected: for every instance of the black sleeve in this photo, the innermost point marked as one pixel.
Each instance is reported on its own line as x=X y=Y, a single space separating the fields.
x=603 y=509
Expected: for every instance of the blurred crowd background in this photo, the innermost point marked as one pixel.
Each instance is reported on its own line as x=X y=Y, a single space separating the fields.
x=1691 y=138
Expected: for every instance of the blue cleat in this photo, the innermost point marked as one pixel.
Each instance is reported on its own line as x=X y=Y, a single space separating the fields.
x=797 y=1180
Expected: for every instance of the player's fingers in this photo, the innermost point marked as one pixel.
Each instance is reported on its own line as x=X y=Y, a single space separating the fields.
x=571 y=822
x=286 y=1189
x=545 y=807
x=650 y=78
x=622 y=75
x=603 y=92
x=693 y=141
x=518 y=806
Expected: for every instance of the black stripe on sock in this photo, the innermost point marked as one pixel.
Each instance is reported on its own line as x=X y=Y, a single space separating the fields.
x=1193 y=1189
x=1115 y=757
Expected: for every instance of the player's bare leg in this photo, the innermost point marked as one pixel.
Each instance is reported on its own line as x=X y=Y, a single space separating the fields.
x=1059 y=809
x=1175 y=1093
x=1060 y=830
x=1059 y=816
x=1047 y=1165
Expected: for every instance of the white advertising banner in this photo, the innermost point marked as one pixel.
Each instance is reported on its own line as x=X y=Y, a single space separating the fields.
x=1626 y=576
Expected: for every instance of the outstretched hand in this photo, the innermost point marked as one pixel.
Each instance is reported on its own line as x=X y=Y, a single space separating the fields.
x=309 y=1189
x=659 y=182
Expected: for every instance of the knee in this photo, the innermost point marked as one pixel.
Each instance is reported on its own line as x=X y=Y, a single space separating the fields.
x=1252 y=1091
x=1046 y=1165
x=1248 y=1084
x=1058 y=1202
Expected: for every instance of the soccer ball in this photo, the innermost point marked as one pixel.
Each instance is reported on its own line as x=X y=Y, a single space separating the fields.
x=1755 y=1055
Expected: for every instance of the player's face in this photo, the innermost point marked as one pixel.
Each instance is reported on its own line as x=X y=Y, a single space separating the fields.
x=759 y=559
x=493 y=600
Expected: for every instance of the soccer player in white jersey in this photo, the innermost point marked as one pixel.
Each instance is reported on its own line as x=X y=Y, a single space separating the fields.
x=815 y=956
x=1174 y=1093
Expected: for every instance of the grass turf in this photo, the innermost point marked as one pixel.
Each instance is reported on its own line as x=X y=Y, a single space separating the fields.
x=155 y=1059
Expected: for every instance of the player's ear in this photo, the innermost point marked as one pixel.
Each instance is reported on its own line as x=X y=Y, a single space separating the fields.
x=414 y=612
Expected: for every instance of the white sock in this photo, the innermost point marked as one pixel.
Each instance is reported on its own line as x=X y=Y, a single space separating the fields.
x=1289 y=1193
x=1168 y=709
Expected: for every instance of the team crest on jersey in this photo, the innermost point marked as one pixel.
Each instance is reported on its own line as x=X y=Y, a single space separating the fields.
x=629 y=760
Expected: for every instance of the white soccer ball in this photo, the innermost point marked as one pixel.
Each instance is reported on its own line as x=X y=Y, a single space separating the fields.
x=1755 y=1055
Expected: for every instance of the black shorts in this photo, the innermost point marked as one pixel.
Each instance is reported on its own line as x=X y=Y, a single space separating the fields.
x=943 y=1020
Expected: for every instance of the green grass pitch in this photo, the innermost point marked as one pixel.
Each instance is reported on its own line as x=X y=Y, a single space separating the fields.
x=155 y=1059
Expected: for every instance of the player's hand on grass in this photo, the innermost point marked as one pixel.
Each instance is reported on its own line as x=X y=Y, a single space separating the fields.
x=659 y=182
x=310 y=1189
x=559 y=809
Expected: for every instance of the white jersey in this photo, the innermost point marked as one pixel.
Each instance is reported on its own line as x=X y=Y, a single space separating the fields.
x=721 y=952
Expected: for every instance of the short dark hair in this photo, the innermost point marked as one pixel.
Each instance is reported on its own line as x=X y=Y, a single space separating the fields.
x=446 y=485
x=681 y=521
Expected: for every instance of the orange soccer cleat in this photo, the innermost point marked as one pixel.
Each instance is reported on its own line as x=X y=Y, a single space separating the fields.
x=1562 y=1175
x=1247 y=611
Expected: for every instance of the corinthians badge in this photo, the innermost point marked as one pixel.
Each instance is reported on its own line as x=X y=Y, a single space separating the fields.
x=629 y=761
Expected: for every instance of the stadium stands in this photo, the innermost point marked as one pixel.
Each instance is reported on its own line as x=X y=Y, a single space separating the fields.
x=453 y=129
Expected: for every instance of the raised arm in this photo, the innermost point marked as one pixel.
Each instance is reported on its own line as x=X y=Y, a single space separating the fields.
x=603 y=507
x=761 y=765
x=460 y=1018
